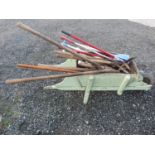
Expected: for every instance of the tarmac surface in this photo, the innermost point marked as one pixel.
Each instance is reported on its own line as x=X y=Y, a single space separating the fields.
x=28 y=109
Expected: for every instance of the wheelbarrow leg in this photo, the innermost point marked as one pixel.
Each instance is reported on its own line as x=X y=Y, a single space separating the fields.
x=123 y=84
x=88 y=88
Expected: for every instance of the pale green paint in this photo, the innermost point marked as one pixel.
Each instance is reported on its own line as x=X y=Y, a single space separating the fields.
x=101 y=82
x=123 y=84
x=88 y=88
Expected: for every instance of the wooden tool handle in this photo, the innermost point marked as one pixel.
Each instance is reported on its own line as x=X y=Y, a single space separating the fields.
x=70 y=56
x=14 y=81
x=51 y=68
x=29 y=29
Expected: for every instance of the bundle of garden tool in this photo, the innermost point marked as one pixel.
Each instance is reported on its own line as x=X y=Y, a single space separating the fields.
x=90 y=59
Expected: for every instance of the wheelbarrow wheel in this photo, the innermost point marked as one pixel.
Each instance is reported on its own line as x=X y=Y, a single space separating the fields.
x=148 y=78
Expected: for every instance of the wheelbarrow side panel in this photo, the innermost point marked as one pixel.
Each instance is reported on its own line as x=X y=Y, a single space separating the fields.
x=101 y=82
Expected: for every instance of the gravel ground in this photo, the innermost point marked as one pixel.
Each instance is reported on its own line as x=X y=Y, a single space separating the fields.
x=28 y=109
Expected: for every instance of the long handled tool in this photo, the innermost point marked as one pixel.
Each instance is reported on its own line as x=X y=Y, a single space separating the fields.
x=29 y=29
x=120 y=57
x=113 y=64
x=86 y=43
x=88 y=48
x=78 y=50
x=52 y=68
x=14 y=81
x=67 y=55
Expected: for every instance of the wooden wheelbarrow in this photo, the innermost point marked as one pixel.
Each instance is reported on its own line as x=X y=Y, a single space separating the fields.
x=102 y=82
x=92 y=82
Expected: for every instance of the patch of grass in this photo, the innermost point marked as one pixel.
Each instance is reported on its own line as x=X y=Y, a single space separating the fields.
x=5 y=123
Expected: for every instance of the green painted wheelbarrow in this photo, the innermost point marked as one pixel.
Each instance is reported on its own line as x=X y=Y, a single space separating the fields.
x=102 y=82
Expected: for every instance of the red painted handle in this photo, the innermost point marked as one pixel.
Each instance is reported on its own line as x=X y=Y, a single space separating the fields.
x=65 y=38
x=85 y=53
x=81 y=52
x=86 y=43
